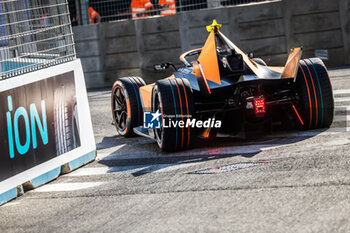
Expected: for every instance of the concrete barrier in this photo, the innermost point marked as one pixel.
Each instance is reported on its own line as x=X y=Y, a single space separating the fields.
x=269 y=29
x=46 y=125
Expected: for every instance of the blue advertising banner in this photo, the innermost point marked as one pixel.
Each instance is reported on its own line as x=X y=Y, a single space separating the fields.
x=38 y=122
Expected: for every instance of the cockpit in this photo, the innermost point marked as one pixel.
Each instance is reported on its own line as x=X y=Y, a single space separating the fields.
x=230 y=63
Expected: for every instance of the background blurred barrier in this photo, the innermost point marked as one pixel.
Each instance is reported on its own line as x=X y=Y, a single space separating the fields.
x=269 y=29
x=46 y=127
x=112 y=10
x=34 y=35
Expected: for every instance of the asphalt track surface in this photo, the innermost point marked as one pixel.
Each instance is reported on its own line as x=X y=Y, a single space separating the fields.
x=283 y=182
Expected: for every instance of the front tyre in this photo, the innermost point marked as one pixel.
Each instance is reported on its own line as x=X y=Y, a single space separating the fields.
x=316 y=104
x=173 y=98
x=127 y=112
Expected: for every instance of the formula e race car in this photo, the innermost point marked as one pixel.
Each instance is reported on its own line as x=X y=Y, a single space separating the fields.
x=223 y=90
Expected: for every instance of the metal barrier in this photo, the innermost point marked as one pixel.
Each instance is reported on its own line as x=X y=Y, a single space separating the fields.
x=34 y=35
x=84 y=11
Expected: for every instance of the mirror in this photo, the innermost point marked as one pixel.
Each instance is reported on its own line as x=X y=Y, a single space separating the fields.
x=162 y=66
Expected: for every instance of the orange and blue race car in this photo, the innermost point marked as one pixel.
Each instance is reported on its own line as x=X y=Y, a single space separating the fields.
x=221 y=89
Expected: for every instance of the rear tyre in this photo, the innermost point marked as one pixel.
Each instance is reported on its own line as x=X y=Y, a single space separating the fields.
x=314 y=87
x=127 y=112
x=173 y=97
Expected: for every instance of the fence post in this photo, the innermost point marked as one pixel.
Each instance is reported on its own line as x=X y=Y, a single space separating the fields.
x=78 y=12
x=183 y=28
x=83 y=11
x=213 y=3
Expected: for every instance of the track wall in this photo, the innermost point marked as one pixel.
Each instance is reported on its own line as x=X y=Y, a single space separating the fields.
x=269 y=29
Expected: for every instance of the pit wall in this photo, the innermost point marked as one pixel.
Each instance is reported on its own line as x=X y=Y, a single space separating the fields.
x=269 y=29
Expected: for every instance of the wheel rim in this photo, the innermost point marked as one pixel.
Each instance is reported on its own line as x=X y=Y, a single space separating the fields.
x=120 y=109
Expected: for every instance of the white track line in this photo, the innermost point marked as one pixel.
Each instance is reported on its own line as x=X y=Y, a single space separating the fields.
x=137 y=154
x=311 y=133
x=66 y=187
x=148 y=168
x=10 y=204
x=123 y=152
x=342 y=108
x=342 y=99
x=341 y=92
x=341 y=118
x=338 y=130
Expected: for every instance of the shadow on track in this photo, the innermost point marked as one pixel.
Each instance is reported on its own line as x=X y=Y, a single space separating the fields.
x=142 y=156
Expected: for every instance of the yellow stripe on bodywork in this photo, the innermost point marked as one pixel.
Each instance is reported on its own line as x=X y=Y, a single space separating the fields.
x=209 y=60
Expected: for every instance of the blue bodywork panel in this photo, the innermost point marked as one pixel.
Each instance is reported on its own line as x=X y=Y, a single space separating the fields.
x=186 y=73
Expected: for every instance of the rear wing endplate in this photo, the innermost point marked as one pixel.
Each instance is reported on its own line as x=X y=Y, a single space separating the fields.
x=291 y=68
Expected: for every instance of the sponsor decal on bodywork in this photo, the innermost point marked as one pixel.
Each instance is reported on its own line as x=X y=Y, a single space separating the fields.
x=153 y=120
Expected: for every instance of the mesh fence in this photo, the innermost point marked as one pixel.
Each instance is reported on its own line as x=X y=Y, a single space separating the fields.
x=84 y=11
x=34 y=34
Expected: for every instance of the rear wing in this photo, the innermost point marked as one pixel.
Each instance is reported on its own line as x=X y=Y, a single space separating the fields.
x=289 y=71
x=208 y=61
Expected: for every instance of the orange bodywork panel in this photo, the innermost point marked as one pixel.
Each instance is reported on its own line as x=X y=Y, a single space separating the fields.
x=128 y=106
x=206 y=133
x=209 y=60
x=196 y=71
x=291 y=67
x=146 y=96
